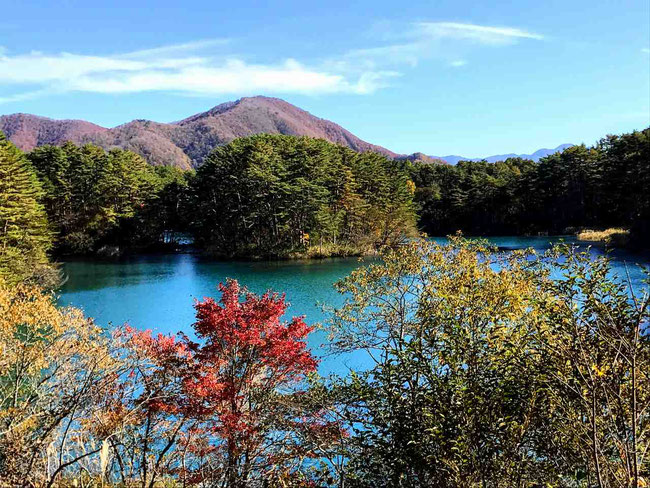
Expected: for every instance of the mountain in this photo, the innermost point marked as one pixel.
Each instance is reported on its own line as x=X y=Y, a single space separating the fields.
x=423 y=158
x=185 y=143
x=28 y=131
x=536 y=156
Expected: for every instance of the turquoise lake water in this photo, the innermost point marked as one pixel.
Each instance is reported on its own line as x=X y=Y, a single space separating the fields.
x=157 y=292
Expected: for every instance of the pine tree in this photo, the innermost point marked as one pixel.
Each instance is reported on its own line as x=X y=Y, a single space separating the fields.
x=24 y=233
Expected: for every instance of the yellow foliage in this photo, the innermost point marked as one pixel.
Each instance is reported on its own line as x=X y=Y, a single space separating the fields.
x=599 y=371
x=608 y=236
x=53 y=362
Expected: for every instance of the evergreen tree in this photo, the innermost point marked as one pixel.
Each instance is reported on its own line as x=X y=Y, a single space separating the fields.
x=94 y=198
x=24 y=234
x=273 y=195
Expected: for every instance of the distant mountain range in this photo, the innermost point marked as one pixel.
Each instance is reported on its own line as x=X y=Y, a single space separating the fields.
x=536 y=156
x=186 y=143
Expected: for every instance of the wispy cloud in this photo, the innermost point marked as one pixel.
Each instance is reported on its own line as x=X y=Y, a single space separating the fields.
x=204 y=67
x=419 y=41
x=185 y=68
x=478 y=33
x=21 y=97
x=176 y=49
x=645 y=50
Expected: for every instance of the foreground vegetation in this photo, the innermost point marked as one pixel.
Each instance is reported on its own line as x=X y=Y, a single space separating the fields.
x=486 y=369
x=494 y=372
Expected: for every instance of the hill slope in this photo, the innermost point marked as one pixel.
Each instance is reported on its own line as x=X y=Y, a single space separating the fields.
x=28 y=131
x=185 y=143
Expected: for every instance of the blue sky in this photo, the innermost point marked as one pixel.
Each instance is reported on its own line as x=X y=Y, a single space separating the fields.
x=442 y=77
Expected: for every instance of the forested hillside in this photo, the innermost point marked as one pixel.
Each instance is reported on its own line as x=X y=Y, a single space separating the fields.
x=264 y=196
x=272 y=194
x=601 y=186
x=280 y=196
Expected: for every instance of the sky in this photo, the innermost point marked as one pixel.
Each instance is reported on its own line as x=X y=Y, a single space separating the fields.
x=442 y=77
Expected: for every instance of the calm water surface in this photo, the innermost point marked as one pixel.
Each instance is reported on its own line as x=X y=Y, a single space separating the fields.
x=157 y=292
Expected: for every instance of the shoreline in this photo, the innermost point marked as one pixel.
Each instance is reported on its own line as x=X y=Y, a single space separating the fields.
x=612 y=239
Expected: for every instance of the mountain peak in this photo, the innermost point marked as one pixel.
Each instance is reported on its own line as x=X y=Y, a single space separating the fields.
x=216 y=110
x=187 y=142
x=256 y=101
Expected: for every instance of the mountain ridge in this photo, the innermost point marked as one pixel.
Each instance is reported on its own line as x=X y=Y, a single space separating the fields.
x=535 y=156
x=185 y=143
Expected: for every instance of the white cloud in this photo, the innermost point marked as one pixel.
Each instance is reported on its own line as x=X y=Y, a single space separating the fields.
x=478 y=33
x=645 y=50
x=425 y=40
x=203 y=68
x=173 y=69
x=231 y=77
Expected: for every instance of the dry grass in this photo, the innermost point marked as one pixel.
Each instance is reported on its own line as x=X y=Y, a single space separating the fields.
x=335 y=250
x=614 y=236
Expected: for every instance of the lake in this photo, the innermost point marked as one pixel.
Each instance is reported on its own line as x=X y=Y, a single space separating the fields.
x=157 y=292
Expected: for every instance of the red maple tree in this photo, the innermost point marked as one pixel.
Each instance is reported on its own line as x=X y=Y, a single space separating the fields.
x=231 y=398
x=246 y=357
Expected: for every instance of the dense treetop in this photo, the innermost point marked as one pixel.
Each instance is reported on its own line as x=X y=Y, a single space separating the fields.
x=601 y=186
x=96 y=198
x=272 y=194
x=25 y=236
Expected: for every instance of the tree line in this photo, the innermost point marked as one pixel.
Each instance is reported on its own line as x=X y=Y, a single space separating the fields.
x=594 y=187
x=282 y=196
x=265 y=195
x=485 y=370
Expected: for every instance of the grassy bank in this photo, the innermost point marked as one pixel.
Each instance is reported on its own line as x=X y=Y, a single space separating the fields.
x=614 y=236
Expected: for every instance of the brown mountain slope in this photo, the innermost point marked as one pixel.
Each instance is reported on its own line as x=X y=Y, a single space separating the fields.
x=256 y=115
x=423 y=158
x=152 y=140
x=28 y=131
x=186 y=143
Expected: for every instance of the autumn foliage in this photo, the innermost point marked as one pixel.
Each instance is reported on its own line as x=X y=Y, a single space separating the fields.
x=226 y=406
x=486 y=369
x=229 y=407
